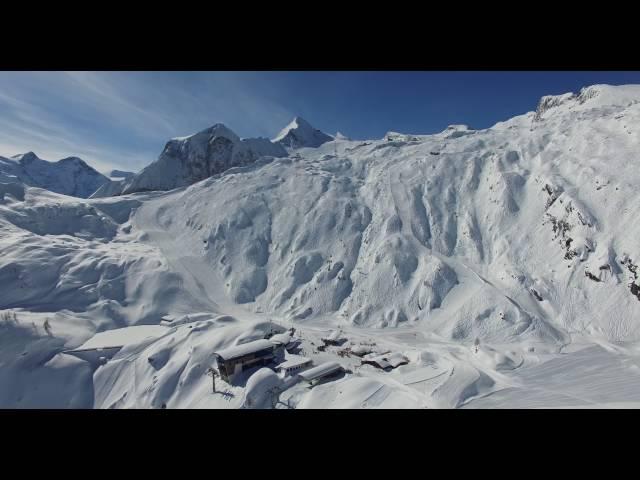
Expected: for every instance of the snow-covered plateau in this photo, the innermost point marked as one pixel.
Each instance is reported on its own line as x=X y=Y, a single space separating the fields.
x=481 y=268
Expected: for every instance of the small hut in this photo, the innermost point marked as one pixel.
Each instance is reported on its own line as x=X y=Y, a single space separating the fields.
x=386 y=361
x=334 y=338
x=287 y=340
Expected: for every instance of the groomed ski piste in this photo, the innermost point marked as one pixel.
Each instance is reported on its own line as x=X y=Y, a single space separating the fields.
x=493 y=268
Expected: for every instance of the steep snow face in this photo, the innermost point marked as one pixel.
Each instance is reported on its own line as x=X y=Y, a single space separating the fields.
x=524 y=230
x=187 y=160
x=299 y=133
x=593 y=97
x=69 y=176
x=523 y=234
x=489 y=234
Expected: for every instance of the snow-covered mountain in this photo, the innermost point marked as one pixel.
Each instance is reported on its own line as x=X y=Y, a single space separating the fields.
x=478 y=254
x=69 y=176
x=118 y=180
x=299 y=134
x=187 y=160
x=113 y=187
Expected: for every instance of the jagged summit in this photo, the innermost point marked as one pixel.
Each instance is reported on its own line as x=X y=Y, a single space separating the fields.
x=25 y=157
x=190 y=159
x=74 y=160
x=299 y=134
x=216 y=130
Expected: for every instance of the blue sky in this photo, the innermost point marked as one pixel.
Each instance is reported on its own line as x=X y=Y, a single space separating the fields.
x=123 y=119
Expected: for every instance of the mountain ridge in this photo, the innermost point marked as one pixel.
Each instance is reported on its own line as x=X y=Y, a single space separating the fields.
x=502 y=263
x=69 y=176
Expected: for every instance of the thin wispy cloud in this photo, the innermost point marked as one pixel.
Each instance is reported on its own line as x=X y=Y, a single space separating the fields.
x=123 y=119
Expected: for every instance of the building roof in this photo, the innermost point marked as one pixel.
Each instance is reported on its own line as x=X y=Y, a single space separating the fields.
x=320 y=371
x=238 y=351
x=294 y=361
x=334 y=336
x=397 y=359
x=386 y=360
x=361 y=349
x=379 y=360
x=283 y=338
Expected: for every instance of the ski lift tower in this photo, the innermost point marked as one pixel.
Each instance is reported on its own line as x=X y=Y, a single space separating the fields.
x=213 y=374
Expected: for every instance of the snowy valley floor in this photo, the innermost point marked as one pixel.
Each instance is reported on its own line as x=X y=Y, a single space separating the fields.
x=165 y=367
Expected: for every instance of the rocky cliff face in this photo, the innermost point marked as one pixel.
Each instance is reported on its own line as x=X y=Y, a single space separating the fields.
x=188 y=160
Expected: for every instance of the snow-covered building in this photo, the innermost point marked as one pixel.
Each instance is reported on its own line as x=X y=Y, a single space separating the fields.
x=234 y=360
x=293 y=364
x=386 y=361
x=287 y=340
x=328 y=369
x=334 y=338
x=361 y=350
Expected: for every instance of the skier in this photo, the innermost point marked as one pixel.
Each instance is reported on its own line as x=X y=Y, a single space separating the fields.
x=47 y=327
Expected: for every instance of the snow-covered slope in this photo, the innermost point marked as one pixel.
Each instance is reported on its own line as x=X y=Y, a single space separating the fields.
x=299 y=133
x=117 y=182
x=69 y=176
x=118 y=174
x=476 y=253
x=187 y=160
x=111 y=188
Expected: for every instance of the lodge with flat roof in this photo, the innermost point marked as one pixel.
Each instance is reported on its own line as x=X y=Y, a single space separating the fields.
x=294 y=364
x=315 y=374
x=234 y=360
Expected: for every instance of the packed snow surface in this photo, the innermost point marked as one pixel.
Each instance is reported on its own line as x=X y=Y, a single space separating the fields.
x=502 y=264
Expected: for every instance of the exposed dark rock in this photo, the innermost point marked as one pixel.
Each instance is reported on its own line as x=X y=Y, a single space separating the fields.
x=633 y=268
x=592 y=276
x=553 y=193
x=535 y=293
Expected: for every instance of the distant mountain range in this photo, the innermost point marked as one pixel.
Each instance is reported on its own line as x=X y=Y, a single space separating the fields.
x=187 y=160
x=69 y=176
